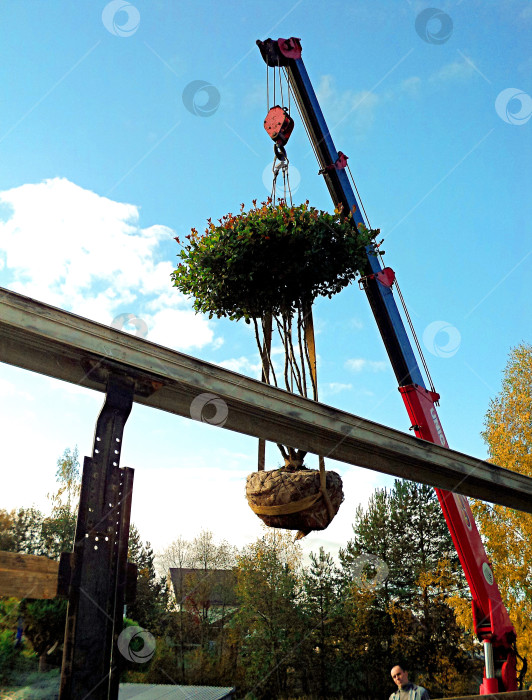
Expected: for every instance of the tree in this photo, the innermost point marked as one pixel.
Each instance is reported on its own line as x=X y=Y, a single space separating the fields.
x=196 y=649
x=206 y=554
x=59 y=529
x=507 y=533
x=309 y=253
x=6 y=535
x=268 y=622
x=68 y=477
x=403 y=534
x=322 y=606
x=44 y=626
x=21 y=531
x=26 y=530
x=151 y=598
x=207 y=583
x=177 y=555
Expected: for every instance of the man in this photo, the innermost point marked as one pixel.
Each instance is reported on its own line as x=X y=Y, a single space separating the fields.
x=406 y=690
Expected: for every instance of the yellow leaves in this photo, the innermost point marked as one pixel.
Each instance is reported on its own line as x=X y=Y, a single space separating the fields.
x=440 y=580
x=508 y=533
x=462 y=610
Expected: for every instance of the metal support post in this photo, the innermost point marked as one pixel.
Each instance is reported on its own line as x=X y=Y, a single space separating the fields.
x=490 y=684
x=98 y=563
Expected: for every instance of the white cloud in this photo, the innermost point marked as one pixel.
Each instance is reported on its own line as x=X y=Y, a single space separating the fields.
x=8 y=390
x=243 y=365
x=356 y=324
x=334 y=388
x=178 y=329
x=359 y=364
x=455 y=71
x=70 y=247
x=411 y=86
x=354 y=107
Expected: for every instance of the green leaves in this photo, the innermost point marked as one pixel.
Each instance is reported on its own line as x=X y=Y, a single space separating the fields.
x=270 y=259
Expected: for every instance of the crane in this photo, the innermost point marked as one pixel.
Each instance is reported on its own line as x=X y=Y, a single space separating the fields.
x=492 y=623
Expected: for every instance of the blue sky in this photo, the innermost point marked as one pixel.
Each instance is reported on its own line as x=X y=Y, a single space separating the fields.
x=102 y=163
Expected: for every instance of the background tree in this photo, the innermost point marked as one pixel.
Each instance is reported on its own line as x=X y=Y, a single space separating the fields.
x=205 y=584
x=196 y=649
x=178 y=555
x=269 y=623
x=150 y=604
x=6 y=525
x=21 y=531
x=406 y=530
x=44 y=626
x=507 y=533
x=59 y=529
x=323 y=610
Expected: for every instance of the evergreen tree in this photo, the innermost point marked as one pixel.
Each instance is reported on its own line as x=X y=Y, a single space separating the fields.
x=323 y=618
x=404 y=533
x=151 y=599
x=268 y=622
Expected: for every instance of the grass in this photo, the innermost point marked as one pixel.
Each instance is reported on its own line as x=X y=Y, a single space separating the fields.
x=32 y=686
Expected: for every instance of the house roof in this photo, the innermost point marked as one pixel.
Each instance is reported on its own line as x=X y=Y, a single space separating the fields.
x=215 y=586
x=141 y=691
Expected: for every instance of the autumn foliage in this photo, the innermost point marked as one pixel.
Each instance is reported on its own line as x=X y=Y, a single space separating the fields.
x=508 y=533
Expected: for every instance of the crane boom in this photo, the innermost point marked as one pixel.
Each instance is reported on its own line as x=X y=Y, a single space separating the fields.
x=491 y=620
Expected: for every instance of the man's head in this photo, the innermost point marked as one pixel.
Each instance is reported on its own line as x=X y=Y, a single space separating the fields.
x=399 y=676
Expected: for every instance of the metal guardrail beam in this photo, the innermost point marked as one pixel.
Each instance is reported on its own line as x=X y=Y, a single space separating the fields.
x=59 y=344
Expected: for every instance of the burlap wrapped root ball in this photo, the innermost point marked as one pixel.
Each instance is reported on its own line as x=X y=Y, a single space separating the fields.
x=287 y=489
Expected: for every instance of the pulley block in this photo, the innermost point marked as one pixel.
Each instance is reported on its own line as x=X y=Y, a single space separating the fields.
x=279 y=125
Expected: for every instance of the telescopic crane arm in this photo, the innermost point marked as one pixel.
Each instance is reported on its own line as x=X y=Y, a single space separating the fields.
x=492 y=623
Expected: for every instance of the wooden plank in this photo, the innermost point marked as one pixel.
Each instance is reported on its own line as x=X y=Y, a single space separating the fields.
x=27 y=576
x=59 y=344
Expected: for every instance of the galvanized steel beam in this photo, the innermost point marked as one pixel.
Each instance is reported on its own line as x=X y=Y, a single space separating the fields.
x=59 y=344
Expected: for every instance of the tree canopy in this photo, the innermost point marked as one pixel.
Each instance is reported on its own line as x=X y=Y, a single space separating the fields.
x=507 y=533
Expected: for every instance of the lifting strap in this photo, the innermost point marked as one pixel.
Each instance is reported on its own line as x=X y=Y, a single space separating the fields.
x=265 y=377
